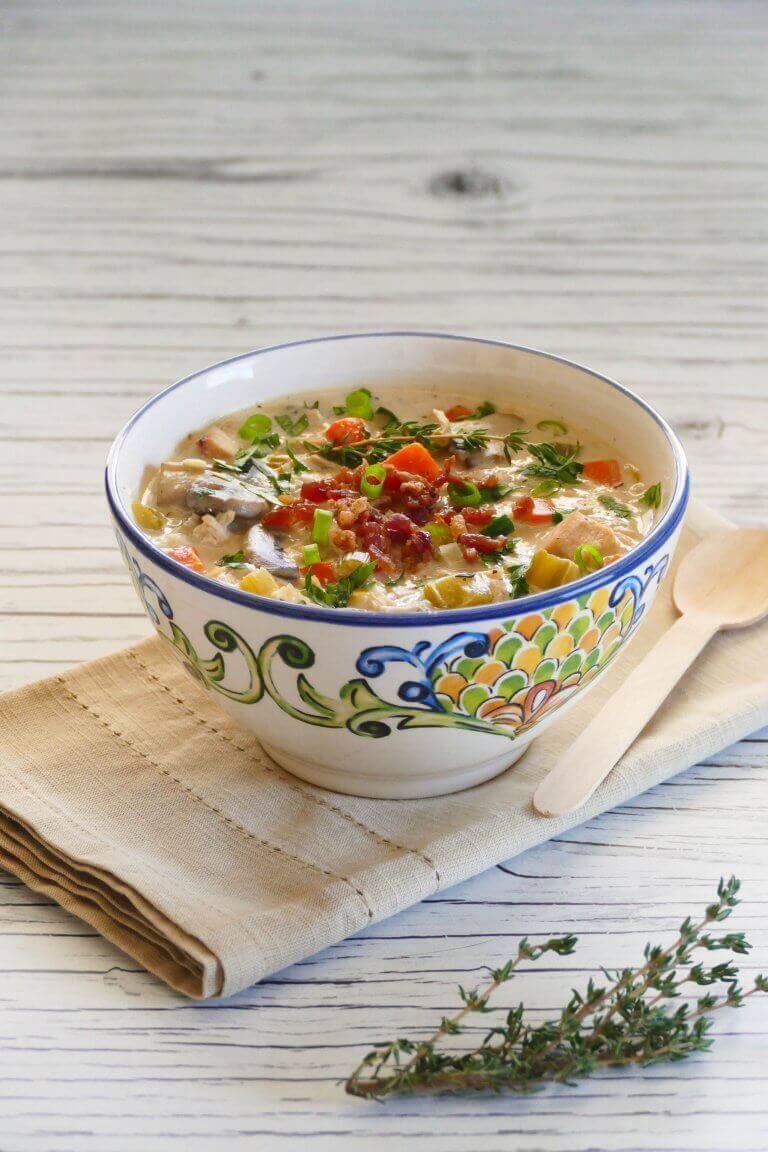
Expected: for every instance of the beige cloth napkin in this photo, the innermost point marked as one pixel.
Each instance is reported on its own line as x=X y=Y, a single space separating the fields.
x=131 y=800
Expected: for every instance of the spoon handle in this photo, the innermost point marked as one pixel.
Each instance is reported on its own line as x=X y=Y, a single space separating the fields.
x=598 y=748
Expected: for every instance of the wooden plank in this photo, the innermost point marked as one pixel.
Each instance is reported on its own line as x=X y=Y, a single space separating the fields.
x=179 y=183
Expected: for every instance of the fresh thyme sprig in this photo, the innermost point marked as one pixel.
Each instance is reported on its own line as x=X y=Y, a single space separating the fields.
x=624 y=1022
x=554 y=462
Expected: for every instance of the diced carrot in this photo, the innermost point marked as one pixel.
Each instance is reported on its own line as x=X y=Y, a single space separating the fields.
x=416 y=459
x=606 y=472
x=457 y=412
x=348 y=430
x=531 y=510
x=322 y=571
x=186 y=556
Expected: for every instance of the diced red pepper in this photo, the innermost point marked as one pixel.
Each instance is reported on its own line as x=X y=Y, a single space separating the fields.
x=458 y=412
x=348 y=430
x=280 y=518
x=417 y=460
x=323 y=571
x=186 y=556
x=392 y=480
x=606 y=472
x=532 y=510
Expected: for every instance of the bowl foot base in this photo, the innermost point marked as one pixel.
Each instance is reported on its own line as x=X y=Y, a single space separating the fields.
x=390 y=786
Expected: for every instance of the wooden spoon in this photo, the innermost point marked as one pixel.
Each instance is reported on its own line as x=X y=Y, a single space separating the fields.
x=721 y=583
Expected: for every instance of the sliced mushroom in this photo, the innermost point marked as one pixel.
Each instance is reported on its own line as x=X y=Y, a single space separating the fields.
x=219 y=494
x=264 y=551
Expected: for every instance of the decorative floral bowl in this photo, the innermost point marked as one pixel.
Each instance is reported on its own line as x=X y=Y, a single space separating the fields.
x=398 y=705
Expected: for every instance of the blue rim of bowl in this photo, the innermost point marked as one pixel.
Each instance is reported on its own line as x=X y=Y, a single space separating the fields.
x=366 y=619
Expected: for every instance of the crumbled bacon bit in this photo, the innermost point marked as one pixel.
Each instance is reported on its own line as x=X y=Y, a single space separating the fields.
x=458 y=525
x=350 y=513
x=476 y=542
x=342 y=539
x=479 y=516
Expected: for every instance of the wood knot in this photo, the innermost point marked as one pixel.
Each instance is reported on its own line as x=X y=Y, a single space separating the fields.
x=472 y=183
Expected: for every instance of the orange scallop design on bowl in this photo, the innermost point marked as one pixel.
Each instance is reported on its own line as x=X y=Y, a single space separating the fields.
x=589 y=640
x=489 y=673
x=451 y=685
x=564 y=613
x=529 y=625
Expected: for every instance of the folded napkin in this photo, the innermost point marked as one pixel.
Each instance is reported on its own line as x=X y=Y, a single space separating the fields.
x=131 y=800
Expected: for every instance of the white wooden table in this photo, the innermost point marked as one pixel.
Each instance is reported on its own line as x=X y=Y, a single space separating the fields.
x=180 y=182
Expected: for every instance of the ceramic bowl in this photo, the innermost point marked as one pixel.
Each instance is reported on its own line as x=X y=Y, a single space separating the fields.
x=398 y=705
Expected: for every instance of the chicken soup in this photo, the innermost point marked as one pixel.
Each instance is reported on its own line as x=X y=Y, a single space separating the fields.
x=395 y=503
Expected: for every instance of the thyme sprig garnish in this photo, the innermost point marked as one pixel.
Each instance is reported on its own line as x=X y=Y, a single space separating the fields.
x=553 y=462
x=627 y=1021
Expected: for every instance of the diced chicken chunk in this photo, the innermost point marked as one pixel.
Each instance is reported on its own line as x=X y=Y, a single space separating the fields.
x=213 y=529
x=217 y=444
x=577 y=529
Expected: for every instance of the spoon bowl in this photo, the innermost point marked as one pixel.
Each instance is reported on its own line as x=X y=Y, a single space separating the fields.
x=726 y=577
x=721 y=583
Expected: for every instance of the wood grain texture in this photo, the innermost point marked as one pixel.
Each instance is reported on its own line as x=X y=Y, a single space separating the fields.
x=181 y=182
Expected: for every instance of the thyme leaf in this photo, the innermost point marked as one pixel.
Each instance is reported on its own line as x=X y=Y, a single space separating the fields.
x=554 y=463
x=635 y=1017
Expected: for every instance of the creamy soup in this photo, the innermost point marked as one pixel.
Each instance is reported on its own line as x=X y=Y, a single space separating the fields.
x=395 y=503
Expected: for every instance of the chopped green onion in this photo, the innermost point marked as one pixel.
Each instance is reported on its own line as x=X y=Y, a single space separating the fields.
x=557 y=427
x=321 y=525
x=310 y=554
x=588 y=558
x=652 y=496
x=499 y=526
x=545 y=488
x=372 y=482
x=438 y=533
x=464 y=494
x=255 y=427
x=557 y=517
x=359 y=404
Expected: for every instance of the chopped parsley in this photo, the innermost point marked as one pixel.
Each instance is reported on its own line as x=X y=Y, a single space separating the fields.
x=337 y=593
x=620 y=510
x=293 y=427
x=652 y=496
x=297 y=464
x=234 y=560
x=499 y=526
